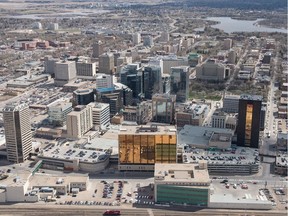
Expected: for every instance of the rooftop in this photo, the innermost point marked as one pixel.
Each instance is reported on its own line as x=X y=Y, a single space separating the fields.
x=251 y=97
x=144 y=129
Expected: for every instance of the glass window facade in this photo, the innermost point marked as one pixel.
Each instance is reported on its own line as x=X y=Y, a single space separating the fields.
x=147 y=149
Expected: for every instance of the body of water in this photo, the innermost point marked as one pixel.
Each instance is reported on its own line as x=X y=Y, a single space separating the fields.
x=229 y=25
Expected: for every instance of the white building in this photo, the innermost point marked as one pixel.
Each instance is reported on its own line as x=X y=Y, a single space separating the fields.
x=65 y=71
x=84 y=69
x=17 y=132
x=104 y=80
x=100 y=114
x=79 y=121
x=136 y=37
x=227 y=44
x=58 y=111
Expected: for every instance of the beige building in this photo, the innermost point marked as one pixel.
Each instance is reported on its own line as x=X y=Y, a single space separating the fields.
x=100 y=113
x=97 y=49
x=106 y=63
x=211 y=70
x=17 y=132
x=228 y=44
x=79 y=121
x=65 y=71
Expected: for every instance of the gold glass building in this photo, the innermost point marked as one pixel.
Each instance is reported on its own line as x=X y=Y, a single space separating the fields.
x=141 y=147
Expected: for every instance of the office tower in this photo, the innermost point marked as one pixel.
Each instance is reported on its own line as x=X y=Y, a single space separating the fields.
x=173 y=61
x=194 y=59
x=131 y=75
x=151 y=80
x=104 y=81
x=85 y=69
x=58 y=111
x=136 y=37
x=249 y=121
x=79 y=121
x=232 y=56
x=83 y=96
x=65 y=71
x=148 y=41
x=231 y=103
x=164 y=37
x=49 y=65
x=106 y=63
x=100 y=114
x=163 y=108
x=211 y=70
x=267 y=58
x=219 y=119
x=97 y=49
x=180 y=83
x=227 y=44
x=141 y=147
x=18 y=136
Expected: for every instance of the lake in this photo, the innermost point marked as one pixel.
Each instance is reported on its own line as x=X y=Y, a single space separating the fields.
x=229 y=25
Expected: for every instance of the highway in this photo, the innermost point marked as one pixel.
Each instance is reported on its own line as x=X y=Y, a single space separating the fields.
x=68 y=210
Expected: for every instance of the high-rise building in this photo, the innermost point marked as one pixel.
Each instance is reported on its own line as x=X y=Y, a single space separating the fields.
x=231 y=103
x=249 y=120
x=79 y=121
x=163 y=108
x=84 y=69
x=104 y=81
x=228 y=43
x=100 y=114
x=164 y=37
x=267 y=58
x=180 y=83
x=49 y=65
x=148 y=41
x=97 y=49
x=232 y=56
x=106 y=63
x=136 y=37
x=17 y=132
x=141 y=147
x=166 y=84
x=65 y=71
x=58 y=111
x=151 y=80
x=211 y=70
x=83 y=96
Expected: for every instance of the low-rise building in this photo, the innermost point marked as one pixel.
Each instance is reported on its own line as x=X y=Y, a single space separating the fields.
x=58 y=111
x=281 y=164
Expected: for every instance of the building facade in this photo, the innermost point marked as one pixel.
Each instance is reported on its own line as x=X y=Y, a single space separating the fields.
x=180 y=83
x=100 y=114
x=106 y=63
x=83 y=96
x=231 y=103
x=86 y=69
x=141 y=147
x=58 y=113
x=211 y=70
x=65 y=71
x=17 y=132
x=97 y=49
x=163 y=108
x=249 y=121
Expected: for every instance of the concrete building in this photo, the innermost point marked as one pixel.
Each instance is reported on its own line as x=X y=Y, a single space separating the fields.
x=281 y=164
x=104 y=80
x=163 y=108
x=141 y=114
x=83 y=96
x=227 y=44
x=49 y=65
x=148 y=41
x=65 y=71
x=164 y=37
x=249 y=120
x=97 y=49
x=231 y=103
x=173 y=61
x=142 y=147
x=53 y=26
x=136 y=38
x=182 y=183
x=212 y=70
x=18 y=135
x=106 y=63
x=232 y=56
x=180 y=83
x=219 y=119
x=166 y=82
x=79 y=121
x=194 y=59
x=100 y=114
x=58 y=111
x=84 y=69
x=191 y=114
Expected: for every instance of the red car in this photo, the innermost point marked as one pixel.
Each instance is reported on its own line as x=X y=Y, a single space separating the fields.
x=111 y=212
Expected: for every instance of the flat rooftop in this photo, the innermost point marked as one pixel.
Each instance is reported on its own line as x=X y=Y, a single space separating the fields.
x=282 y=160
x=251 y=97
x=200 y=136
x=148 y=129
x=181 y=173
x=233 y=156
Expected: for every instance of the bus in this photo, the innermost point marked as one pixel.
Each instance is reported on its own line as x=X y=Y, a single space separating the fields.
x=112 y=212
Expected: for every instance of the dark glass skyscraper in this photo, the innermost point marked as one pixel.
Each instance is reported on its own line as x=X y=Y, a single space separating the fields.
x=249 y=121
x=180 y=83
